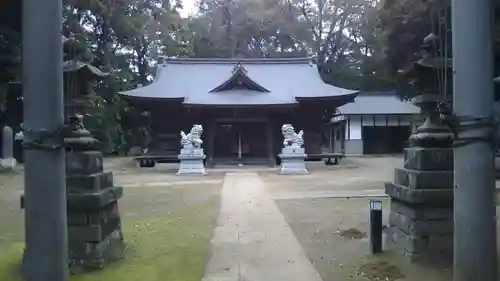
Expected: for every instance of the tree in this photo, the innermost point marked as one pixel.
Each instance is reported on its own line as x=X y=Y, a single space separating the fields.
x=404 y=25
x=125 y=38
x=261 y=28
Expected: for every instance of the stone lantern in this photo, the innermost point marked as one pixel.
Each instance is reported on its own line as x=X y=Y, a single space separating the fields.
x=421 y=216
x=95 y=237
x=431 y=78
x=94 y=224
x=79 y=79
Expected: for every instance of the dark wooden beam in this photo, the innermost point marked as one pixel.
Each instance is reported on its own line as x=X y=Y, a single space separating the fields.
x=348 y=127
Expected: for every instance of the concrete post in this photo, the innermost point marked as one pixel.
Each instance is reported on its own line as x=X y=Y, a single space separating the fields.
x=46 y=255
x=270 y=143
x=7 y=142
x=475 y=255
x=8 y=160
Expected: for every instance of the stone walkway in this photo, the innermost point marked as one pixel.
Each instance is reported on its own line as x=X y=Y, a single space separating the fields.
x=252 y=241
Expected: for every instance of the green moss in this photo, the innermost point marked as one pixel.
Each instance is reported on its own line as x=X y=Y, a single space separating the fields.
x=171 y=247
x=8 y=172
x=10 y=262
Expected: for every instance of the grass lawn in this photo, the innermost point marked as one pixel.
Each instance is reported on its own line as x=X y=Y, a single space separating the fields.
x=167 y=231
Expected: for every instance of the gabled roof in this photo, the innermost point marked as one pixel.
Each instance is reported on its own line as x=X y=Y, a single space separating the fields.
x=378 y=103
x=239 y=79
x=262 y=82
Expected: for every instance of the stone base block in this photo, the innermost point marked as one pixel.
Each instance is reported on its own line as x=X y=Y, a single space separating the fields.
x=89 y=183
x=94 y=237
x=93 y=233
x=421 y=216
x=83 y=163
x=428 y=159
x=293 y=150
x=422 y=250
x=198 y=152
x=293 y=164
x=430 y=197
x=422 y=233
x=89 y=201
x=421 y=220
x=419 y=179
x=8 y=163
x=90 y=256
x=191 y=165
x=94 y=200
x=93 y=217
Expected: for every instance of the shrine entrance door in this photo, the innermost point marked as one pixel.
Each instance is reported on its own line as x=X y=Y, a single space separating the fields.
x=241 y=142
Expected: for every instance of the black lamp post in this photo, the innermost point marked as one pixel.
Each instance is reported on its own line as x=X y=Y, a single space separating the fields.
x=375 y=226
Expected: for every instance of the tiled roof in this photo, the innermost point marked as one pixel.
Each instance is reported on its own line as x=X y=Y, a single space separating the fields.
x=378 y=103
x=192 y=80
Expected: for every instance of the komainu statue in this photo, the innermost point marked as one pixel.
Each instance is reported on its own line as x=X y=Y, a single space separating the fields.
x=191 y=158
x=290 y=138
x=193 y=138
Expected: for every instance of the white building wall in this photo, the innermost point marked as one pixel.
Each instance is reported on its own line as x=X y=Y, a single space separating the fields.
x=354 y=126
x=355 y=123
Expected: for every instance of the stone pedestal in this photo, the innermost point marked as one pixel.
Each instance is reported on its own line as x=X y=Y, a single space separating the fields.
x=8 y=163
x=95 y=237
x=191 y=162
x=94 y=225
x=421 y=216
x=293 y=161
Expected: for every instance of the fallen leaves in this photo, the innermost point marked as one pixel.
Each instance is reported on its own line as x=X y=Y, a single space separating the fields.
x=351 y=233
x=380 y=271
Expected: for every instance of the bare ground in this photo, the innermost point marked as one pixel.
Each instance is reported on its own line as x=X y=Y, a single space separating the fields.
x=334 y=235
x=331 y=230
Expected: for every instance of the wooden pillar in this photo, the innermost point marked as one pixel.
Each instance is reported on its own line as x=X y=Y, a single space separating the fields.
x=210 y=148
x=270 y=143
x=343 y=137
x=332 y=134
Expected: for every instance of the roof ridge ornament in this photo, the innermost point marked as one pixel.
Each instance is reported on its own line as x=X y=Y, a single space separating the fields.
x=239 y=77
x=239 y=67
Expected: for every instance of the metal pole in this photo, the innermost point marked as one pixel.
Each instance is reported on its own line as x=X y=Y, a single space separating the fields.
x=239 y=146
x=376 y=226
x=475 y=255
x=46 y=256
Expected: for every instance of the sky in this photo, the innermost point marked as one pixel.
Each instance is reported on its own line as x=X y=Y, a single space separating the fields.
x=189 y=8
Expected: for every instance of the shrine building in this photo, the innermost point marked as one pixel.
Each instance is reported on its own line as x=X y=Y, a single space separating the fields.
x=241 y=104
x=375 y=123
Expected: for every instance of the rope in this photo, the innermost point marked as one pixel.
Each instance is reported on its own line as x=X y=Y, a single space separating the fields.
x=441 y=51
x=460 y=124
x=446 y=28
x=464 y=123
x=70 y=84
x=44 y=139
x=435 y=46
